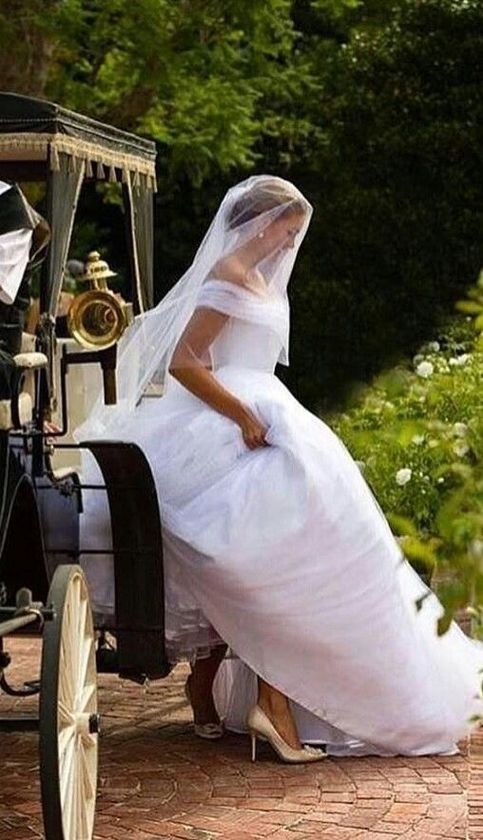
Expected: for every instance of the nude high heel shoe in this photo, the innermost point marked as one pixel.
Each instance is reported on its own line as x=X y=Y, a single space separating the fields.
x=260 y=726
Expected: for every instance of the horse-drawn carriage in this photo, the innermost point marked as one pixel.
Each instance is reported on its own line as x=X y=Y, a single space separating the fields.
x=43 y=590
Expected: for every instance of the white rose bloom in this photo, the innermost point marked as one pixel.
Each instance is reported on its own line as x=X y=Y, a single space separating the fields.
x=403 y=476
x=424 y=369
x=475 y=548
x=441 y=479
x=434 y=346
x=417 y=359
x=460 y=429
x=460 y=448
x=417 y=439
x=459 y=360
x=432 y=443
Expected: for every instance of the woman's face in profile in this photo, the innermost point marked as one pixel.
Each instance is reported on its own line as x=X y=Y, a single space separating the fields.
x=281 y=233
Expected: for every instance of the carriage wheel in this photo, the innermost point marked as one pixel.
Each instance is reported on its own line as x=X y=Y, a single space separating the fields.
x=68 y=711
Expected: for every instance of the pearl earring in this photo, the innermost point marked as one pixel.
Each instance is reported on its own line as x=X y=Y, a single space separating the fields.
x=261 y=235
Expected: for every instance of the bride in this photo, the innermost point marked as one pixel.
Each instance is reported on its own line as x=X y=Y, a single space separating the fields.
x=273 y=542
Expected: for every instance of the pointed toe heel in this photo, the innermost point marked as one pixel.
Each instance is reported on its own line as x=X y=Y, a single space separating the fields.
x=260 y=726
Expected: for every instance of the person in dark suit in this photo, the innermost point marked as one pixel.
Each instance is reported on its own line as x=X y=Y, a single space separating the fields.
x=24 y=236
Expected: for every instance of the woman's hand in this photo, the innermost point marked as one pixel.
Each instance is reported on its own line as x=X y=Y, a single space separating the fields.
x=253 y=430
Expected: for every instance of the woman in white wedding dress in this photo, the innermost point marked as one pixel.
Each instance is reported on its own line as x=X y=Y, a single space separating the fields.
x=274 y=544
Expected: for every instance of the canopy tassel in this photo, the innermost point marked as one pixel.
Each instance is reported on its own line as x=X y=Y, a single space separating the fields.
x=54 y=158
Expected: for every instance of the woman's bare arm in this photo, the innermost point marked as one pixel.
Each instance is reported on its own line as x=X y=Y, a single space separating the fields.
x=186 y=367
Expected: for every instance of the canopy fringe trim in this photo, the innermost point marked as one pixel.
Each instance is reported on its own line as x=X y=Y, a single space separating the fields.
x=50 y=146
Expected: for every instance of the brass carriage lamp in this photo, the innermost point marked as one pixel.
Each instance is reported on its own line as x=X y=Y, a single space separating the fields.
x=96 y=317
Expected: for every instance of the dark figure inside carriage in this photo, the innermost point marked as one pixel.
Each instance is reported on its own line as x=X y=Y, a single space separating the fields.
x=24 y=236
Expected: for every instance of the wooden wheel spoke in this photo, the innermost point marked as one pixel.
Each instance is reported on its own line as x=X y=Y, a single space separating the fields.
x=72 y=648
x=72 y=814
x=69 y=641
x=64 y=717
x=65 y=737
x=82 y=618
x=88 y=786
x=87 y=699
x=67 y=634
x=68 y=698
x=87 y=652
x=78 y=808
x=67 y=772
x=65 y=680
x=88 y=743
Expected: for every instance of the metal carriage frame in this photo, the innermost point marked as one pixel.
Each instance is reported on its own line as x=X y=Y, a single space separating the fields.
x=43 y=589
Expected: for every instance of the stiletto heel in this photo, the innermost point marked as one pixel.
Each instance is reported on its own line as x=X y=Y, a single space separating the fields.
x=254 y=746
x=260 y=726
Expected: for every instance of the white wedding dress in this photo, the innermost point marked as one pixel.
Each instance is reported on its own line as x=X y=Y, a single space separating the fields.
x=284 y=553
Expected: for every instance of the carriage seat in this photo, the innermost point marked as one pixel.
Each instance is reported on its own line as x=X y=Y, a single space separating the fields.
x=30 y=361
x=17 y=411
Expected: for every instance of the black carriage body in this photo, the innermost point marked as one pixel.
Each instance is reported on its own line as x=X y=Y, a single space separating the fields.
x=39 y=511
x=138 y=623
x=42 y=589
x=39 y=523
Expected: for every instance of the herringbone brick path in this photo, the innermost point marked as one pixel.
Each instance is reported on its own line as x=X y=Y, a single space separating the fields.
x=157 y=780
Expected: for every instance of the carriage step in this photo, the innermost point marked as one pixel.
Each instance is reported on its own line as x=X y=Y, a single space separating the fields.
x=19 y=723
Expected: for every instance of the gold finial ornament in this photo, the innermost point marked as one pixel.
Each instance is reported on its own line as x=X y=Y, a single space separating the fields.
x=96 y=318
x=96 y=271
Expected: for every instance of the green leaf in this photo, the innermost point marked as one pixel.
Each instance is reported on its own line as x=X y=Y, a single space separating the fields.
x=469 y=307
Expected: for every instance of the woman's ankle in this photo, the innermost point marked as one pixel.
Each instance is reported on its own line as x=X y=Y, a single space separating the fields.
x=277 y=708
x=273 y=705
x=272 y=699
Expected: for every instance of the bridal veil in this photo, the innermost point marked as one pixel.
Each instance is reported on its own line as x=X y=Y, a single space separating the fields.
x=247 y=218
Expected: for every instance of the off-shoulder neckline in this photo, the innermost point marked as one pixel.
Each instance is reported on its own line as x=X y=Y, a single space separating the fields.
x=233 y=283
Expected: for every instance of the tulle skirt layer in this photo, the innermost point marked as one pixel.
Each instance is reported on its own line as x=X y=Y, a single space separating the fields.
x=284 y=553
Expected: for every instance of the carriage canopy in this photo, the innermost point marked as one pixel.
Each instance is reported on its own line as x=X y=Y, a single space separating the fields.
x=39 y=141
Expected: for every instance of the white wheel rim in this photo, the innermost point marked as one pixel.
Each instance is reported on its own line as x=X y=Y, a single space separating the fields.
x=76 y=702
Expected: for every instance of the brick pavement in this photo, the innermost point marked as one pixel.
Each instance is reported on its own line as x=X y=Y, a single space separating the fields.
x=157 y=780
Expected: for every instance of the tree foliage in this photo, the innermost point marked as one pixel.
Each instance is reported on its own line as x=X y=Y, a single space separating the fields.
x=396 y=186
x=372 y=108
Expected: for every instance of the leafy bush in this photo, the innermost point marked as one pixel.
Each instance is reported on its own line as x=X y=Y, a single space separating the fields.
x=416 y=432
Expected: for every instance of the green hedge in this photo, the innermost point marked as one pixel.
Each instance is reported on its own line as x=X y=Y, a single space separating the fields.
x=416 y=432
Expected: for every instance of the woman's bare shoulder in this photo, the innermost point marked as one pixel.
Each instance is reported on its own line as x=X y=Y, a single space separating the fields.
x=231 y=270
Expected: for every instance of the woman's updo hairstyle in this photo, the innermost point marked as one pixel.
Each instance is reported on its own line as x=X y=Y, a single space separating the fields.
x=262 y=198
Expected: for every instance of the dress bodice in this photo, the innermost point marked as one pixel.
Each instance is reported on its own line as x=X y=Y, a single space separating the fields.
x=243 y=344
x=255 y=334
